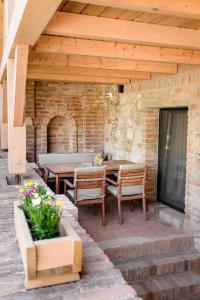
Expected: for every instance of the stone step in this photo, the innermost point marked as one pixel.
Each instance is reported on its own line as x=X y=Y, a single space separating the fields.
x=167 y=214
x=197 y=297
x=179 y=286
x=138 y=246
x=134 y=269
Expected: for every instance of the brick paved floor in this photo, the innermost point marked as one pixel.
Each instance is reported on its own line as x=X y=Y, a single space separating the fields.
x=133 y=223
x=99 y=279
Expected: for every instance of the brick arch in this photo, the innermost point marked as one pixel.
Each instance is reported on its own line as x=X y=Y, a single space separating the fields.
x=42 y=131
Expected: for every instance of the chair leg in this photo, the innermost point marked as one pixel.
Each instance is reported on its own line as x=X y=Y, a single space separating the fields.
x=144 y=204
x=77 y=209
x=95 y=209
x=65 y=189
x=119 y=211
x=132 y=205
x=105 y=204
x=103 y=213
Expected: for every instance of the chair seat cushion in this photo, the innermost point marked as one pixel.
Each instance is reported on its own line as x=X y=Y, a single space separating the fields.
x=86 y=194
x=126 y=190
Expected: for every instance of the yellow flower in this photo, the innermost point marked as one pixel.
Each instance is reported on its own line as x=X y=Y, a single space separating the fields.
x=49 y=202
x=28 y=184
x=21 y=190
x=49 y=198
x=58 y=202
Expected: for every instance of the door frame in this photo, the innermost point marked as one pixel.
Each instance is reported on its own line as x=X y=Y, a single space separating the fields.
x=158 y=180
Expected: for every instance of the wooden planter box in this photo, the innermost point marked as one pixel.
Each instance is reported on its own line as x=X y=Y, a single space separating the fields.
x=51 y=261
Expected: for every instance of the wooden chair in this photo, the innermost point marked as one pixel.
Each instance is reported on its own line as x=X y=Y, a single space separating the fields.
x=130 y=185
x=88 y=187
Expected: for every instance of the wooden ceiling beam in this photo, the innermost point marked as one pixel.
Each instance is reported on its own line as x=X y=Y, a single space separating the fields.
x=92 y=27
x=28 y=20
x=178 y=8
x=76 y=46
x=75 y=78
x=89 y=72
x=79 y=61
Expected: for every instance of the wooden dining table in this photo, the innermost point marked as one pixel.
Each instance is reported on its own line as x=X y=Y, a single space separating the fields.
x=62 y=170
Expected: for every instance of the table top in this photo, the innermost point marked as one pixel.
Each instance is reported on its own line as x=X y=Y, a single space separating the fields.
x=63 y=168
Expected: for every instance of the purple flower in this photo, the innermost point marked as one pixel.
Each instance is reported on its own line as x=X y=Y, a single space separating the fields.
x=33 y=190
x=53 y=203
x=26 y=194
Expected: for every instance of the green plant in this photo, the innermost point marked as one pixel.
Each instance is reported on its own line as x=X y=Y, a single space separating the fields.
x=41 y=209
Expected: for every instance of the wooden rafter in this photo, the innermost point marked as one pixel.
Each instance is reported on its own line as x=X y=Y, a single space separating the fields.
x=76 y=78
x=78 y=75
x=179 y=8
x=28 y=20
x=76 y=46
x=92 y=27
x=79 y=61
x=89 y=72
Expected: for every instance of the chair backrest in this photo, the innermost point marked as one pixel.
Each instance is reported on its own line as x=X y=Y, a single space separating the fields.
x=131 y=178
x=89 y=183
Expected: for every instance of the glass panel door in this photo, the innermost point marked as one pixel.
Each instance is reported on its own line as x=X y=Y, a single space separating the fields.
x=172 y=157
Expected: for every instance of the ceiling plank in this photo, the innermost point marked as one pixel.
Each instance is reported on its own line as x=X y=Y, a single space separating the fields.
x=92 y=27
x=75 y=78
x=28 y=20
x=76 y=46
x=80 y=61
x=179 y=8
x=89 y=72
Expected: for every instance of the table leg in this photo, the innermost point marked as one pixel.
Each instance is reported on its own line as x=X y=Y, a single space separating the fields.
x=57 y=184
x=46 y=176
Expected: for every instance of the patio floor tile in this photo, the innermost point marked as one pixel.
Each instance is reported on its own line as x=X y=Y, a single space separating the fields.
x=133 y=223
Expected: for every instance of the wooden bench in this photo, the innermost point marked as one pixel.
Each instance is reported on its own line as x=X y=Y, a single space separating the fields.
x=55 y=158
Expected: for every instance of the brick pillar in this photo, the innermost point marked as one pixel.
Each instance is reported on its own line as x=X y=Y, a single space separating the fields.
x=30 y=128
x=151 y=153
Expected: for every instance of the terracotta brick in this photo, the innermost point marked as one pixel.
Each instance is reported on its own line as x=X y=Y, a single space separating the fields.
x=82 y=109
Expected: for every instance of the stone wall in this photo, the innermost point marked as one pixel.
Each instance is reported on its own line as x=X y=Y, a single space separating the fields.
x=133 y=124
x=82 y=106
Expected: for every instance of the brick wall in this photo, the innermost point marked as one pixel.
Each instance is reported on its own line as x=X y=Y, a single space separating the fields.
x=30 y=128
x=82 y=109
x=133 y=124
x=58 y=135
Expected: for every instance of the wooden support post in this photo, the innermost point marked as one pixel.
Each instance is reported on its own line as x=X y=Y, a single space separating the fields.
x=4 y=117
x=16 y=135
x=8 y=7
x=19 y=84
x=1 y=109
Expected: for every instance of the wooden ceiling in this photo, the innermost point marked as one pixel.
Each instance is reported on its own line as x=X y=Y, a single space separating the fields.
x=111 y=41
x=78 y=56
x=125 y=14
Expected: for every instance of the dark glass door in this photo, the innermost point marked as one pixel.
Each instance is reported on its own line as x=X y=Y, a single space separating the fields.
x=172 y=157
